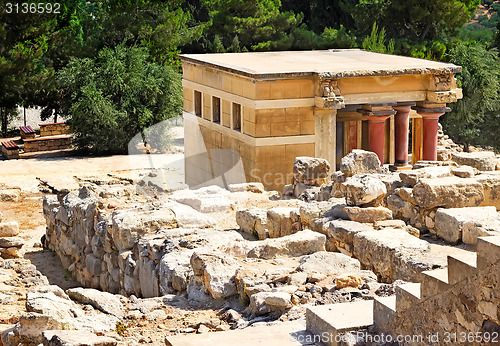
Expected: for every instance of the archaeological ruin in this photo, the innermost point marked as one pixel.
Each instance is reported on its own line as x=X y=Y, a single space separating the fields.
x=358 y=245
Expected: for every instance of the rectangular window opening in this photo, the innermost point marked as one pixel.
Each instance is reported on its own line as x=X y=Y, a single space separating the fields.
x=216 y=109
x=236 y=116
x=197 y=103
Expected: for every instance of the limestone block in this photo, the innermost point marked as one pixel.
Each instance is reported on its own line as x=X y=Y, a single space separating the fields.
x=387 y=251
x=12 y=252
x=360 y=162
x=253 y=221
x=129 y=225
x=11 y=242
x=311 y=211
x=148 y=278
x=266 y=302
x=448 y=192
x=174 y=271
x=368 y=214
x=464 y=171
x=75 y=338
x=215 y=271
x=188 y=217
x=343 y=231
x=413 y=176
x=103 y=301
x=328 y=263
x=310 y=170
x=9 y=229
x=482 y=160
x=301 y=243
x=9 y=195
x=52 y=301
x=364 y=190
x=93 y=264
x=491 y=187
x=279 y=221
x=455 y=224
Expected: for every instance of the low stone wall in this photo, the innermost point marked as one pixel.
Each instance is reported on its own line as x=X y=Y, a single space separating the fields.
x=47 y=143
x=54 y=129
x=10 y=153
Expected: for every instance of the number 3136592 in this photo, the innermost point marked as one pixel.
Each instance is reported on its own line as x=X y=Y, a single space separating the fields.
x=32 y=7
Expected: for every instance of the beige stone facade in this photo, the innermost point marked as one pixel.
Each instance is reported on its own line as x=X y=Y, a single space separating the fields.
x=248 y=115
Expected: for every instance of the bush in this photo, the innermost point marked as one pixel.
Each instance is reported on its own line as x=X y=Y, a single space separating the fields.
x=117 y=95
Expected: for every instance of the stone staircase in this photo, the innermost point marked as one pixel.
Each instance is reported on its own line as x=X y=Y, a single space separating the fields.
x=434 y=306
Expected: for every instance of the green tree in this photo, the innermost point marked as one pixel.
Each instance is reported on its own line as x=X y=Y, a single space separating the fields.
x=472 y=119
x=414 y=19
x=117 y=95
x=256 y=24
x=376 y=41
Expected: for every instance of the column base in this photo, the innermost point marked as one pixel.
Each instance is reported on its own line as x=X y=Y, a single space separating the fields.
x=397 y=168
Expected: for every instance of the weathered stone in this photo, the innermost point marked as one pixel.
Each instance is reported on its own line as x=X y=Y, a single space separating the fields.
x=311 y=211
x=215 y=271
x=75 y=338
x=9 y=195
x=253 y=221
x=129 y=225
x=12 y=252
x=297 y=279
x=104 y=301
x=30 y=327
x=343 y=231
x=175 y=269
x=360 y=162
x=298 y=244
x=148 y=278
x=368 y=214
x=491 y=188
x=210 y=199
x=455 y=224
x=188 y=217
x=413 y=176
x=53 y=302
x=265 y=302
x=93 y=264
x=464 y=171
x=247 y=187
x=348 y=280
x=9 y=229
x=310 y=170
x=405 y=193
x=364 y=190
x=424 y=164
x=328 y=263
x=11 y=242
x=389 y=224
x=386 y=251
x=449 y=192
x=482 y=160
x=279 y=221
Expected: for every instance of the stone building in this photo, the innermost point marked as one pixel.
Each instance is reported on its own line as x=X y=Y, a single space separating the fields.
x=258 y=111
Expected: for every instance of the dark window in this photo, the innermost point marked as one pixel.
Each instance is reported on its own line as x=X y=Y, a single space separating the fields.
x=236 y=116
x=216 y=109
x=197 y=103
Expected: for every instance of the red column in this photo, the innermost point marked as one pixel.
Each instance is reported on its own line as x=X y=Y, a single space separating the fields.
x=401 y=124
x=430 y=126
x=376 y=135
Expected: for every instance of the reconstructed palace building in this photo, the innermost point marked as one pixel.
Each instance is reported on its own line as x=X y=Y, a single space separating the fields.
x=265 y=109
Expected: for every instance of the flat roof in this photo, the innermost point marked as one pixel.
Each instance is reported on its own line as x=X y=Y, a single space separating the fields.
x=334 y=63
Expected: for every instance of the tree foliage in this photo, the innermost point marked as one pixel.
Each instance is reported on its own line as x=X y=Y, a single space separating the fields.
x=117 y=95
x=472 y=118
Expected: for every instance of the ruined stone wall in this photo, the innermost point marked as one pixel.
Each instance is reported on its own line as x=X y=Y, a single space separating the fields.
x=470 y=306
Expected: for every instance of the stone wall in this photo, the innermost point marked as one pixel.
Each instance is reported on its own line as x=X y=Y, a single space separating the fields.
x=468 y=303
x=47 y=143
x=54 y=129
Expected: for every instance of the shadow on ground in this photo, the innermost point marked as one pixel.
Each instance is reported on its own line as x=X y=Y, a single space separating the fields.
x=48 y=263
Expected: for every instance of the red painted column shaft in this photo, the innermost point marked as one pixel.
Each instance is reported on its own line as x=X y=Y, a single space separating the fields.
x=376 y=138
x=430 y=128
x=401 y=124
